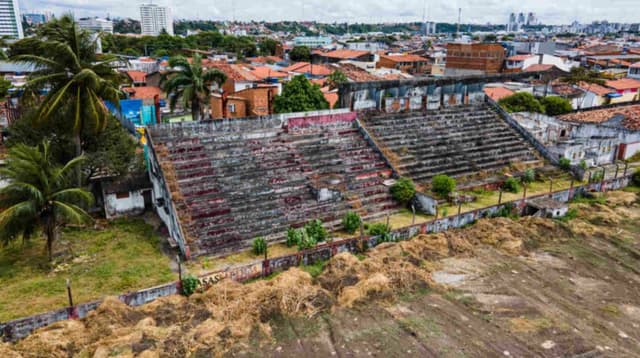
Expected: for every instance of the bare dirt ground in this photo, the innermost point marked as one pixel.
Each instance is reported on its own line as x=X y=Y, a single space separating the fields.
x=500 y=288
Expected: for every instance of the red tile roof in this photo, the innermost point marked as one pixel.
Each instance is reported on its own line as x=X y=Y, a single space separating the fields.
x=519 y=57
x=355 y=73
x=405 y=58
x=631 y=116
x=345 y=54
x=265 y=59
x=595 y=88
x=623 y=84
x=144 y=92
x=137 y=76
x=538 y=68
x=231 y=72
x=306 y=67
x=497 y=93
x=635 y=65
x=263 y=72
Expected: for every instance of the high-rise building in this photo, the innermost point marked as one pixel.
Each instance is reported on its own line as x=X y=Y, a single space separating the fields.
x=95 y=24
x=154 y=19
x=531 y=19
x=512 y=25
x=34 y=18
x=10 y=19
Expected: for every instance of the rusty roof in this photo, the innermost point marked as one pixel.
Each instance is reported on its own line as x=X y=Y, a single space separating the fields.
x=630 y=114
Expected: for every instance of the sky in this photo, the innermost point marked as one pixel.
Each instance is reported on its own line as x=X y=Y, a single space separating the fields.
x=369 y=11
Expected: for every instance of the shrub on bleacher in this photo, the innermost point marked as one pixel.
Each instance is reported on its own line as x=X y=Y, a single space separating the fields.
x=294 y=236
x=511 y=185
x=403 y=190
x=565 y=163
x=443 y=185
x=382 y=230
x=351 y=222
x=306 y=241
x=259 y=246
x=529 y=176
x=315 y=230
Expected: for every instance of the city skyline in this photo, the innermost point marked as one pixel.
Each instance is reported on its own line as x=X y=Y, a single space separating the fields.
x=370 y=11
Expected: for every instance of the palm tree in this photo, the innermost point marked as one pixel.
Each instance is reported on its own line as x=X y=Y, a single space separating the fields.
x=39 y=195
x=190 y=82
x=78 y=80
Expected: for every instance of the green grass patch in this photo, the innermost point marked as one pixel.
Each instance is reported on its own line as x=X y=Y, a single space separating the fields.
x=315 y=269
x=123 y=256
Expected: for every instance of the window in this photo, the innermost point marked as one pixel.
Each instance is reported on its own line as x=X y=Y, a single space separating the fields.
x=123 y=195
x=232 y=108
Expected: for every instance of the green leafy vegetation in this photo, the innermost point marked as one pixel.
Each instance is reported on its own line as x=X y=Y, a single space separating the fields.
x=507 y=211
x=380 y=229
x=316 y=268
x=570 y=215
x=300 y=95
x=294 y=236
x=300 y=53
x=189 y=285
x=259 y=246
x=564 y=163
x=443 y=185
x=306 y=241
x=583 y=164
x=521 y=102
x=351 y=222
x=115 y=257
x=554 y=105
x=511 y=185
x=336 y=78
x=315 y=230
x=635 y=179
x=529 y=176
x=403 y=190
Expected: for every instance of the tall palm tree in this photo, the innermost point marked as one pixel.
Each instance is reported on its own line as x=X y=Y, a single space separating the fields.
x=39 y=195
x=78 y=80
x=191 y=83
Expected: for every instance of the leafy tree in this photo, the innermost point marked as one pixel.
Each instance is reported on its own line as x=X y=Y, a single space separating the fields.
x=511 y=185
x=306 y=242
x=490 y=38
x=268 y=47
x=403 y=190
x=191 y=83
x=259 y=246
x=5 y=85
x=300 y=95
x=565 y=163
x=300 y=53
x=555 y=105
x=336 y=78
x=583 y=164
x=294 y=236
x=443 y=185
x=315 y=230
x=79 y=81
x=39 y=195
x=529 y=176
x=351 y=222
x=521 y=102
x=581 y=74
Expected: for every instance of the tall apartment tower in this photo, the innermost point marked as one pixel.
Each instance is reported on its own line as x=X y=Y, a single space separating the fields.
x=154 y=18
x=10 y=19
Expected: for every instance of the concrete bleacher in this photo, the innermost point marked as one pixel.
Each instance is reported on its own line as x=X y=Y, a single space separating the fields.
x=457 y=141
x=238 y=182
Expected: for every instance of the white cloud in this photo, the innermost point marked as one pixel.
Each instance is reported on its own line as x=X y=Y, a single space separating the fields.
x=474 y=11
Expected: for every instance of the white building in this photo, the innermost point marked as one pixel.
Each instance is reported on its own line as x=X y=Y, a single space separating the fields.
x=10 y=19
x=95 y=24
x=154 y=18
x=634 y=71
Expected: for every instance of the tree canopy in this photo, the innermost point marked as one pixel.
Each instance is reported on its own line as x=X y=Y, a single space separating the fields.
x=300 y=95
x=300 y=53
x=554 y=105
x=521 y=102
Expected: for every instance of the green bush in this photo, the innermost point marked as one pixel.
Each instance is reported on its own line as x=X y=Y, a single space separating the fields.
x=315 y=230
x=443 y=185
x=294 y=236
x=635 y=179
x=259 y=246
x=555 y=106
x=596 y=176
x=521 y=102
x=189 y=285
x=583 y=164
x=511 y=185
x=403 y=190
x=570 y=215
x=565 y=163
x=507 y=211
x=528 y=176
x=306 y=242
x=351 y=222
x=382 y=230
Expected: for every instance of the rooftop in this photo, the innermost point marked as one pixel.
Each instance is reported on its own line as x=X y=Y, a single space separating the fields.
x=630 y=115
x=306 y=67
x=519 y=57
x=143 y=92
x=538 y=67
x=497 y=93
x=137 y=76
x=595 y=88
x=345 y=54
x=405 y=58
x=623 y=84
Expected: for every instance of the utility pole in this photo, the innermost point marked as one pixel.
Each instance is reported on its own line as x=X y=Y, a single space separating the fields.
x=459 y=18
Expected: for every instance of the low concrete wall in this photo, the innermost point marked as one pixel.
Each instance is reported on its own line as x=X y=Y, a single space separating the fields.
x=20 y=328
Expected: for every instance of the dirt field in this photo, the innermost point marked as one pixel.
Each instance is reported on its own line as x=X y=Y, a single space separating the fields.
x=500 y=288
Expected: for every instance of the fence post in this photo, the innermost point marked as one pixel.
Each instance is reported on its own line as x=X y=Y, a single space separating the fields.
x=524 y=193
x=626 y=165
x=500 y=197
x=550 y=187
x=413 y=218
x=179 y=268
x=617 y=169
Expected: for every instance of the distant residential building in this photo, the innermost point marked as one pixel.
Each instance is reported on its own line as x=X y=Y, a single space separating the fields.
x=10 y=19
x=474 y=59
x=428 y=28
x=95 y=24
x=312 y=41
x=411 y=64
x=634 y=71
x=344 y=55
x=154 y=19
x=34 y=19
x=249 y=102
